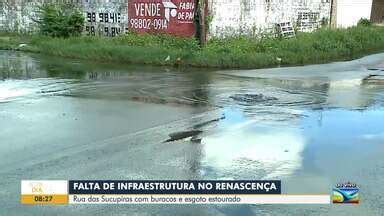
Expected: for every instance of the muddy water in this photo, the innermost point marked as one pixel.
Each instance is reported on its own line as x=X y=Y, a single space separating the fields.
x=312 y=127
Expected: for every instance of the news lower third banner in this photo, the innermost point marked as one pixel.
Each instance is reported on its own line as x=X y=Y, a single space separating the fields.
x=160 y=192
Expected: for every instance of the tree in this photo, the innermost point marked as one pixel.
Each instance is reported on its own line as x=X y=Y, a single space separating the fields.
x=60 y=20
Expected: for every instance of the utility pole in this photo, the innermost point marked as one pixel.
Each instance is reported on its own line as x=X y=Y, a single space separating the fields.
x=377 y=11
x=333 y=15
x=202 y=23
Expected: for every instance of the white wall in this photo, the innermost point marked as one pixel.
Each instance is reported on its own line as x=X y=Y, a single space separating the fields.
x=18 y=15
x=233 y=17
x=230 y=17
x=349 y=12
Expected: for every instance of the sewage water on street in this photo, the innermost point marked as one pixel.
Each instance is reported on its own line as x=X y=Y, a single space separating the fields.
x=311 y=127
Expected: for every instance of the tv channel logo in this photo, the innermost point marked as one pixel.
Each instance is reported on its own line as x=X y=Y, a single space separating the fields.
x=346 y=193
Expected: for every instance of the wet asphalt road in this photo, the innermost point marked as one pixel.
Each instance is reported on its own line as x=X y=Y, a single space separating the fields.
x=79 y=120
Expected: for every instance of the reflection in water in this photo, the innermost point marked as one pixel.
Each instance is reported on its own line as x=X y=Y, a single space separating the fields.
x=9 y=90
x=350 y=95
x=250 y=149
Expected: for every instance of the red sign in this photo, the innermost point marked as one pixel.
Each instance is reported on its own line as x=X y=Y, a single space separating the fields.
x=167 y=16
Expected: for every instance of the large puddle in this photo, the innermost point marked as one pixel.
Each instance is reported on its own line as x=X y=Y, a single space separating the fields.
x=311 y=132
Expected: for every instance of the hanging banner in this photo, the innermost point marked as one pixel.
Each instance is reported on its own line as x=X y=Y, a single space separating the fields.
x=175 y=17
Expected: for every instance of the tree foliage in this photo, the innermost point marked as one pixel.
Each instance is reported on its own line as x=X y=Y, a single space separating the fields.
x=364 y=22
x=60 y=20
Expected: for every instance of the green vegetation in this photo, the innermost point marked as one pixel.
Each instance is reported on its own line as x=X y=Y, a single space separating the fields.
x=364 y=22
x=322 y=46
x=62 y=20
x=10 y=41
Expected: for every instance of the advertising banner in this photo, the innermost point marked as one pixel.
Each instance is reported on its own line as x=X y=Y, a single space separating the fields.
x=162 y=16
